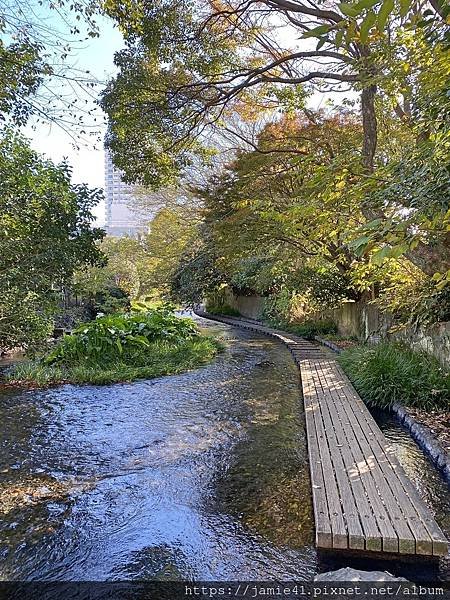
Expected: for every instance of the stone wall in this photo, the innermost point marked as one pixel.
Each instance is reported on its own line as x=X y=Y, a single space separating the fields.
x=361 y=320
x=434 y=340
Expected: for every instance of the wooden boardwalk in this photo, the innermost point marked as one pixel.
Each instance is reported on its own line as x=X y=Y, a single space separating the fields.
x=362 y=498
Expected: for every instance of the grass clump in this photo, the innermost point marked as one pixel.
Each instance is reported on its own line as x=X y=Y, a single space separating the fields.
x=308 y=329
x=390 y=372
x=121 y=347
x=224 y=310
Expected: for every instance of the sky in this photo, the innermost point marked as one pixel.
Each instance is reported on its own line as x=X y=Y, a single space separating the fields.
x=96 y=55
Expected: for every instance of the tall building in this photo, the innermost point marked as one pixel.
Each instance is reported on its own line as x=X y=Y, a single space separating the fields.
x=121 y=218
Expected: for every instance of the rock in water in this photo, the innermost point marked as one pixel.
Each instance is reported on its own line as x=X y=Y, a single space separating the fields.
x=349 y=574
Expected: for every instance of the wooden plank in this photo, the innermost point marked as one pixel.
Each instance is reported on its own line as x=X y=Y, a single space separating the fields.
x=360 y=491
x=326 y=486
x=371 y=530
x=361 y=468
x=397 y=501
x=392 y=504
x=363 y=415
x=414 y=508
x=356 y=533
x=321 y=515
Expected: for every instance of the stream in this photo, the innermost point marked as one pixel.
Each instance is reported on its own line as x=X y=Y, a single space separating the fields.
x=199 y=476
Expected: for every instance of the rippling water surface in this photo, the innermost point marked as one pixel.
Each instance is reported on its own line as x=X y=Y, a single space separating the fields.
x=202 y=475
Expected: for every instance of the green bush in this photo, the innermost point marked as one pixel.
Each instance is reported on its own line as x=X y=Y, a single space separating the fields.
x=307 y=329
x=225 y=310
x=279 y=307
x=121 y=336
x=256 y=275
x=121 y=347
x=111 y=300
x=323 y=287
x=390 y=372
x=161 y=359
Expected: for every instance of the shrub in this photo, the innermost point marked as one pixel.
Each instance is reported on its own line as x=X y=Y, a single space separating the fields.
x=121 y=336
x=278 y=308
x=26 y=320
x=391 y=372
x=309 y=329
x=111 y=300
x=225 y=310
x=121 y=347
x=256 y=275
x=160 y=359
x=323 y=287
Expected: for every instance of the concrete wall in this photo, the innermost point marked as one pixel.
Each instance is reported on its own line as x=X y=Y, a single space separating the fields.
x=251 y=307
x=367 y=323
x=363 y=321
x=434 y=339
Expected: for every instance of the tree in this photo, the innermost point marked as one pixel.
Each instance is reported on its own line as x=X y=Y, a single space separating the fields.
x=45 y=235
x=291 y=197
x=410 y=189
x=172 y=232
x=282 y=215
x=189 y=68
x=129 y=267
x=39 y=76
x=197 y=275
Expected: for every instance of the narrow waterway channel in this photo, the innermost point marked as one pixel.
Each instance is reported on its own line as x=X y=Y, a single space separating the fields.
x=198 y=476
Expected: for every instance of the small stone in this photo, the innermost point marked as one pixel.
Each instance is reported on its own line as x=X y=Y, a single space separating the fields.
x=349 y=574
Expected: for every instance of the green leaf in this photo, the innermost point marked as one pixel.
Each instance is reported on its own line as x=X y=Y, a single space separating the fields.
x=375 y=224
x=398 y=250
x=367 y=25
x=351 y=30
x=405 y=5
x=338 y=38
x=349 y=10
x=379 y=256
x=317 y=31
x=386 y=8
x=367 y=3
x=359 y=241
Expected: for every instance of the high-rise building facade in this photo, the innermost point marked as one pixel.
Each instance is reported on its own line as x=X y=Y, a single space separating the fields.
x=121 y=218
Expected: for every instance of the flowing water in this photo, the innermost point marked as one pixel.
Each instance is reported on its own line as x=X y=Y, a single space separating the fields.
x=197 y=476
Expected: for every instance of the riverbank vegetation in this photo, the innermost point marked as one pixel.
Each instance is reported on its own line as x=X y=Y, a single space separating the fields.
x=308 y=328
x=46 y=221
x=121 y=347
x=311 y=208
x=222 y=309
x=389 y=373
x=46 y=235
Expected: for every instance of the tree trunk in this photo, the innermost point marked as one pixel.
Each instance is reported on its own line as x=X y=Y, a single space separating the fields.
x=370 y=131
x=431 y=259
